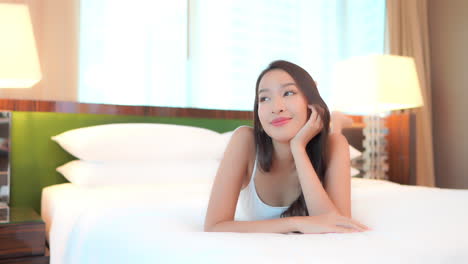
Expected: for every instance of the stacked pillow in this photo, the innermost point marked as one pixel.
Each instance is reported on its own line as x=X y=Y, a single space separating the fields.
x=141 y=142
x=141 y=153
x=354 y=155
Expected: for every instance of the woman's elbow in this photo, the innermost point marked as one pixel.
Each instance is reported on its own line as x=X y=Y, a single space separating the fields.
x=208 y=228
x=221 y=226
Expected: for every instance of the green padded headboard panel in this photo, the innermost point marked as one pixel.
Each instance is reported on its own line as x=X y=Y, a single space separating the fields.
x=34 y=156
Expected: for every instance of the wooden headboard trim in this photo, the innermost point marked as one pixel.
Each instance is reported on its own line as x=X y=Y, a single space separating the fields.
x=84 y=108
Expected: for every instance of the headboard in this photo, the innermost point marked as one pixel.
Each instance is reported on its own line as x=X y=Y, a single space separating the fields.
x=34 y=156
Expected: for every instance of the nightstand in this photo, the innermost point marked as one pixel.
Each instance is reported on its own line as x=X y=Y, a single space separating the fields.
x=22 y=238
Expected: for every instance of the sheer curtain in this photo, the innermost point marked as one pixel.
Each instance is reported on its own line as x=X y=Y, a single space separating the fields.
x=208 y=53
x=133 y=53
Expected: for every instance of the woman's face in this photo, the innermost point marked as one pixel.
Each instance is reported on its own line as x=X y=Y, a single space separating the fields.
x=282 y=107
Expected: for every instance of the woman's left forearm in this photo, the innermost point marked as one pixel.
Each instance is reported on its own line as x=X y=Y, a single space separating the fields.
x=315 y=196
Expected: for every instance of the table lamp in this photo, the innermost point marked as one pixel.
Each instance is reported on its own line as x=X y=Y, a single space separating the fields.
x=373 y=86
x=19 y=67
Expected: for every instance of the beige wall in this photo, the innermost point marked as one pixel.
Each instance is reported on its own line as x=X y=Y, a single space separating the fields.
x=55 y=24
x=448 y=25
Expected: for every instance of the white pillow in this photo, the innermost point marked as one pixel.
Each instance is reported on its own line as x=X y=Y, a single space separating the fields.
x=226 y=137
x=89 y=173
x=354 y=153
x=114 y=173
x=141 y=142
x=354 y=172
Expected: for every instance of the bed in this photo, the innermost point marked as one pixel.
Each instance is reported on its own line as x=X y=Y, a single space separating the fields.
x=164 y=224
x=114 y=210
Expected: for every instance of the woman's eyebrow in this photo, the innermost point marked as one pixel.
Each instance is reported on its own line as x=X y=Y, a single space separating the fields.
x=263 y=90
x=284 y=85
x=287 y=84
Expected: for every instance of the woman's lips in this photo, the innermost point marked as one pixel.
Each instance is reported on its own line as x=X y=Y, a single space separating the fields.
x=280 y=121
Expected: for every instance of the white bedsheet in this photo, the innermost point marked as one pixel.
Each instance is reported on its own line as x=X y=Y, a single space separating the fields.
x=164 y=224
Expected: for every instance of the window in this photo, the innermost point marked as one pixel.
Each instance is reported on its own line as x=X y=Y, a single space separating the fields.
x=208 y=53
x=133 y=54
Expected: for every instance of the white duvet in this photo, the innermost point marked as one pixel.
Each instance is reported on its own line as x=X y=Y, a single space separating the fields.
x=164 y=224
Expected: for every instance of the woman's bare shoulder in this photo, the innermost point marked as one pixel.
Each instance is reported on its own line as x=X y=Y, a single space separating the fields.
x=243 y=141
x=246 y=131
x=243 y=137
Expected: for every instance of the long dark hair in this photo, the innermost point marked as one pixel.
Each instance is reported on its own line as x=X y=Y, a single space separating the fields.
x=316 y=148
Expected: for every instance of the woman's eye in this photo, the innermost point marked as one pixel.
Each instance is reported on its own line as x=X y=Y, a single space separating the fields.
x=288 y=93
x=263 y=99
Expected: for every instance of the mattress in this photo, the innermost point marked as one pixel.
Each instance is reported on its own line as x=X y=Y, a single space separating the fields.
x=164 y=224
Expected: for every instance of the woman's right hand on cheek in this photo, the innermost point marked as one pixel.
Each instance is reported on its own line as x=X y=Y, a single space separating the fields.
x=311 y=128
x=328 y=223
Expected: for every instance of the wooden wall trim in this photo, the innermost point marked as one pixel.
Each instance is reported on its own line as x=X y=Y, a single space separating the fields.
x=84 y=108
x=401 y=148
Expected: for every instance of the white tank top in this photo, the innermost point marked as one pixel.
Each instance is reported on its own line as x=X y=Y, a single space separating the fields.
x=251 y=208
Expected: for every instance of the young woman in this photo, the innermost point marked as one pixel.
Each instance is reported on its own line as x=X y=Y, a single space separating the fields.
x=288 y=173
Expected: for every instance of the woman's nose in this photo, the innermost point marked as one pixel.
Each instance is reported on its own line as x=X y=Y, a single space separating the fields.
x=278 y=106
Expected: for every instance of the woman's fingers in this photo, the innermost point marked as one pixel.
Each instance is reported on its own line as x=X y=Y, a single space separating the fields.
x=335 y=229
x=351 y=223
x=340 y=229
x=315 y=117
x=355 y=222
x=348 y=224
x=331 y=223
x=360 y=225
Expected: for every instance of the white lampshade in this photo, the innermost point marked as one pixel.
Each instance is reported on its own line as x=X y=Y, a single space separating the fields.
x=375 y=84
x=19 y=62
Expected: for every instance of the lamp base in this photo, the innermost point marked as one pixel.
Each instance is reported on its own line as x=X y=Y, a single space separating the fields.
x=375 y=154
